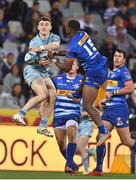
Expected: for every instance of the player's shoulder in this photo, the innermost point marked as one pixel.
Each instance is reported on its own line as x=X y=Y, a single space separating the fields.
x=34 y=41
x=55 y=36
x=74 y=42
x=35 y=38
x=124 y=69
x=79 y=35
x=60 y=76
x=80 y=77
x=125 y=73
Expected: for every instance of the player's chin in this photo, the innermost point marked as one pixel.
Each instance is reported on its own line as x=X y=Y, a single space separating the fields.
x=116 y=64
x=43 y=33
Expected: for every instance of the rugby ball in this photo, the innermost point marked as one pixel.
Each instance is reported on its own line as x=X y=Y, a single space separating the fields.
x=31 y=57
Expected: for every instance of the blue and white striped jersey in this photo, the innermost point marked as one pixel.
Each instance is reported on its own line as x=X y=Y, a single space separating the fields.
x=116 y=81
x=65 y=108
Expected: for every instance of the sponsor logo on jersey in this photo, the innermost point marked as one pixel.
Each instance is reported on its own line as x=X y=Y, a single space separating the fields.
x=83 y=39
x=112 y=83
x=63 y=92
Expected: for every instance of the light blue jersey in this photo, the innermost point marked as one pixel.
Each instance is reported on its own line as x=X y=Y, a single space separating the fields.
x=34 y=71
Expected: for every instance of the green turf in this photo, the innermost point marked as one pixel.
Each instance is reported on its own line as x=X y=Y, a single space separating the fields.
x=58 y=175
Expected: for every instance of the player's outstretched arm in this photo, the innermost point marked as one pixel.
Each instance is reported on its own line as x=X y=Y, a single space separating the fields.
x=51 y=46
x=75 y=100
x=66 y=65
x=52 y=54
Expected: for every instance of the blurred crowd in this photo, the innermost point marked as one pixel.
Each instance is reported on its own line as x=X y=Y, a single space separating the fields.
x=111 y=24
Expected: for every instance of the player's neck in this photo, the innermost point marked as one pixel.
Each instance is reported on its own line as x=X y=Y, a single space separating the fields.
x=117 y=67
x=44 y=36
x=72 y=75
x=73 y=33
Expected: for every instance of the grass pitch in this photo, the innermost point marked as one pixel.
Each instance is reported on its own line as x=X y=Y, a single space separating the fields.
x=58 y=175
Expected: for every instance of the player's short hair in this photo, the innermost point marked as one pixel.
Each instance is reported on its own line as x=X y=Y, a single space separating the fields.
x=44 y=18
x=74 y=25
x=122 y=52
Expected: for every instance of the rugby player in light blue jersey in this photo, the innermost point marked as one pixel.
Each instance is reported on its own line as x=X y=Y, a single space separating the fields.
x=119 y=83
x=95 y=68
x=85 y=131
x=37 y=77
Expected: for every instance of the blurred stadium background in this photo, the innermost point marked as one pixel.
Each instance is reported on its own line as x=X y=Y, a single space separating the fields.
x=111 y=24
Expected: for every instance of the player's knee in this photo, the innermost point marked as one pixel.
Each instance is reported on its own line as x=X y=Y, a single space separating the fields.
x=79 y=150
x=87 y=106
x=42 y=97
x=125 y=141
x=71 y=138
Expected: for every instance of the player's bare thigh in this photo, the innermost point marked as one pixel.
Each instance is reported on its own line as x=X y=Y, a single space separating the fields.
x=124 y=135
x=39 y=87
x=50 y=86
x=89 y=94
x=49 y=83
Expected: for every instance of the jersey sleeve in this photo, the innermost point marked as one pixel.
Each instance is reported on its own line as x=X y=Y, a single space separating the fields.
x=55 y=38
x=70 y=51
x=126 y=76
x=31 y=44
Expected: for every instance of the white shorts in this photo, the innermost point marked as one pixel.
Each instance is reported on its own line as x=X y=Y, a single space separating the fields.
x=68 y=123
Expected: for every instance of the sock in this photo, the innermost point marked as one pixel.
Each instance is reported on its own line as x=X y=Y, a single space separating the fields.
x=43 y=123
x=134 y=146
x=101 y=150
x=90 y=151
x=22 y=112
x=102 y=129
x=85 y=163
x=71 y=149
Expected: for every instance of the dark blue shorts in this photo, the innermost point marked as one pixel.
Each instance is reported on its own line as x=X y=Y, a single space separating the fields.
x=117 y=115
x=96 y=77
x=60 y=121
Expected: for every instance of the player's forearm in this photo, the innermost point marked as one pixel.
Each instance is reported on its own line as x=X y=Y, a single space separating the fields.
x=51 y=46
x=125 y=90
x=60 y=53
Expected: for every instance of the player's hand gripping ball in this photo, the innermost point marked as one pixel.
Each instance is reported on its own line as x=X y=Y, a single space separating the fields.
x=33 y=57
